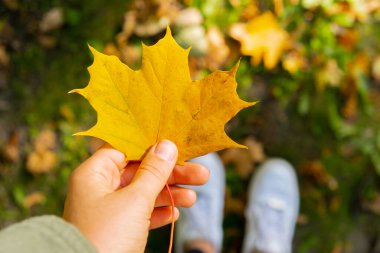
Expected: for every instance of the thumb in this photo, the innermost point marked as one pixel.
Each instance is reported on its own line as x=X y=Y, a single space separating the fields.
x=155 y=169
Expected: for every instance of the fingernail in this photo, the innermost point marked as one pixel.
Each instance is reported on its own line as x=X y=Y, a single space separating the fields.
x=166 y=150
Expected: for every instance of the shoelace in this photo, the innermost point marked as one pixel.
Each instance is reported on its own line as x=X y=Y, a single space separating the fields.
x=271 y=226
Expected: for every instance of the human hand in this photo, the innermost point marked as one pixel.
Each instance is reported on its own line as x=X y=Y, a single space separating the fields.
x=114 y=204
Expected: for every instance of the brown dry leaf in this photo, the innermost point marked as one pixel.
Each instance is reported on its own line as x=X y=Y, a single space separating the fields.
x=194 y=37
x=218 y=51
x=360 y=65
x=195 y=66
x=332 y=183
x=12 y=148
x=255 y=149
x=329 y=75
x=111 y=49
x=241 y=160
x=262 y=38
x=47 y=40
x=374 y=205
x=151 y=27
x=66 y=113
x=42 y=159
x=11 y=4
x=348 y=38
x=147 y=18
x=302 y=219
x=168 y=9
x=128 y=28
x=350 y=107
x=338 y=248
x=294 y=61
x=41 y=162
x=335 y=203
x=233 y=205
x=317 y=171
x=136 y=109
x=188 y=17
x=33 y=199
x=4 y=58
x=52 y=20
x=244 y=159
x=130 y=54
x=376 y=68
x=45 y=140
x=356 y=10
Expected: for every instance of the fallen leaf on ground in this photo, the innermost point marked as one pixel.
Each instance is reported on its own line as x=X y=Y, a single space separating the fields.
x=52 y=20
x=45 y=140
x=4 y=58
x=255 y=149
x=131 y=54
x=136 y=109
x=11 y=4
x=329 y=75
x=12 y=147
x=233 y=205
x=194 y=36
x=33 y=199
x=302 y=219
x=294 y=61
x=348 y=38
x=338 y=248
x=218 y=51
x=262 y=38
x=188 y=17
x=244 y=160
x=151 y=27
x=128 y=28
x=356 y=10
x=47 y=41
x=42 y=159
x=376 y=68
x=317 y=171
x=41 y=162
x=373 y=205
x=67 y=113
x=167 y=8
x=241 y=160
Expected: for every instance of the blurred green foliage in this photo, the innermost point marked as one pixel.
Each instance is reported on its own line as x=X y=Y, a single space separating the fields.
x=318 y=106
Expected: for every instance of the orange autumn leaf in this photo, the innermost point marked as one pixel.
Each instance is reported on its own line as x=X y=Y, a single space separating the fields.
x=136 y=109
x=262 y=38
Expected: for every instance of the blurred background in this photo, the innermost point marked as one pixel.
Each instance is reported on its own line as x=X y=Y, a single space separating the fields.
x=314 y=65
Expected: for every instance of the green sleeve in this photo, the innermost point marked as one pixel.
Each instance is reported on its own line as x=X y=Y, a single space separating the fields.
x=43 y=234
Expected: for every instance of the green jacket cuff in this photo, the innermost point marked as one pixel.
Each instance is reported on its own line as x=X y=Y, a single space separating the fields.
x=44 y=234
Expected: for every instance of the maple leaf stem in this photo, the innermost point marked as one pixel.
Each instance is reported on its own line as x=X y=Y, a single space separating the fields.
x=172 y=226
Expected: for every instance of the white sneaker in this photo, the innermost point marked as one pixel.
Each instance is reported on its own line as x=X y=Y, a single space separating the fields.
x=204 y=220
x=273 y=205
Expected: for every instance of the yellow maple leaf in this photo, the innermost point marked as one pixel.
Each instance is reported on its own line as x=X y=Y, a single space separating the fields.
x=136 y=109
x=262 y=38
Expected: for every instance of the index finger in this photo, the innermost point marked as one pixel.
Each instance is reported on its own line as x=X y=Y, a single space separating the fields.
x=187 y=174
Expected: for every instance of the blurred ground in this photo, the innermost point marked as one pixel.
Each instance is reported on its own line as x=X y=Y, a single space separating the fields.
x=313 y=65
